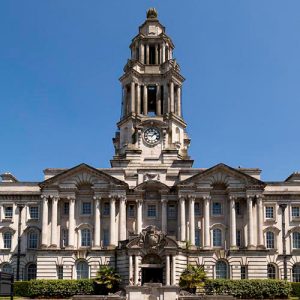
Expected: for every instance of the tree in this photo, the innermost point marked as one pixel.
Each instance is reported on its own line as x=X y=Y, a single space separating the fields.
x=193 y=279
x=107 y=280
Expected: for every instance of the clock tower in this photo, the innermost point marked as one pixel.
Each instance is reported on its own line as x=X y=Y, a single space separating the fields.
x=151 y=131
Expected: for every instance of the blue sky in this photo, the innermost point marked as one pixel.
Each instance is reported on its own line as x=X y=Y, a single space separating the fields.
x=60 y=97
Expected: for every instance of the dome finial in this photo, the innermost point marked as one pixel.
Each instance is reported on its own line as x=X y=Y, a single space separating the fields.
x=152 y=13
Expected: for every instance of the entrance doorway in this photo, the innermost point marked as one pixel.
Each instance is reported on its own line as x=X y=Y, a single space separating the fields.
x=152 y=275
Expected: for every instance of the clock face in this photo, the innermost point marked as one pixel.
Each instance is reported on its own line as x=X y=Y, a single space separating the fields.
x=152 y=136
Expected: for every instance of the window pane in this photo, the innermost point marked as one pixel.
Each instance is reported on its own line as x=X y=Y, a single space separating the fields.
x=296 y=273
x=7 y=268
x=66 y=208
x=85 y=238
x=7 y=240
x=217 y=238
x=296 y=240
x=131 y=211
x=106 y=209
x=34 y=212
x=244 y=272
x=33 y=240
x=271 y=271
x=269 y=212
x=197 y=209
x=60 y=272
x=270 y=240
x=172 y=213
x=238 y=238
x=86 y=208
x=197 y=238
x=295 y=211
x=151 y=211
x=221 y=270
x=31 y=271
x=82 y=270
x=105 y=237
x=8 y=212
x=217 y=208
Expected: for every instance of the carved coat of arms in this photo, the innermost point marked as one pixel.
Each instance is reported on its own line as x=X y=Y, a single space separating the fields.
x=152 y=239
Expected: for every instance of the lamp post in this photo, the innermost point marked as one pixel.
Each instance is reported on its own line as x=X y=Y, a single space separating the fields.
x=20 y=207
x=283 y=207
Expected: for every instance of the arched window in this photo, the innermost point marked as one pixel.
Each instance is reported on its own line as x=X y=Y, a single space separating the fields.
x=296 y=272
x=221 y=270
x=6 y=267
x=271 y=269
x=32 y=239
x=217 y=237
x=31 y=271
x=7 y=236
x=296 y=240
x=82 y=269
x=85 y=237
x=270 y=240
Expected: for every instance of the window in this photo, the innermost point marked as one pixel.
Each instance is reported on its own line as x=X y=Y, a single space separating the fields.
x=66 y=208
x=197 y=238
x=131 y=210
x=238 y=238
x=197 y=209
x=269 y=212
x=85 y=238
x=296 y=240
x=34 y=212
x=244 y=272
x=238 y=208
x=270 y=242
x=8 y=212
x=86 y=208
x=151 y=212
x=172 y=213
x=64 y=237
x=6 y=268
x=105 y=237
x=217 y=208
x=217 y=237
x=60 y=272
x=296 y=273
x=221 y=270
x=31 y=271
x=295 y=211
x=106 y=209
x=7 y=239
x=271 y=270
x=32 y=240
x=82 y=269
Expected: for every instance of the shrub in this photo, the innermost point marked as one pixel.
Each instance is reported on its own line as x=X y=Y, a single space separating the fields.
x=295 y=289
x=60 y=288
x=21 y=288
x=192 y=278
x=256 y=288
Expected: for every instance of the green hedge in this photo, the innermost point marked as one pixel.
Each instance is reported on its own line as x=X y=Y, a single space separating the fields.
x=295 y=289
x=21 y=288
x=255 y=289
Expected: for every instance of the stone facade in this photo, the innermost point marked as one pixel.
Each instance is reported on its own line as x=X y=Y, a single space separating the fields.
x=151 y=213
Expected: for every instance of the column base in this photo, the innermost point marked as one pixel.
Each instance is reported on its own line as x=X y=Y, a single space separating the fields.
x=261 y=247
x=69 y=247
x=96 y=248
x=234 y=248
x=44 y=246
x=53 y=246
x=251 y=247
x=207 y=248
x=111 y=247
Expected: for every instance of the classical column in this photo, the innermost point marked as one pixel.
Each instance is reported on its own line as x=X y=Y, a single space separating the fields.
x=192 y=219
x=232 y=222
x=179 y=101
x=142 y=57
x=260 y=238
x=163 y=52
x=132 y=95
x=164 y=217
x=122 y=220
x=97 y=221
x=139 y=216
x=136 y=270
x=172 y=96
x=130 y=270
x=156 y=54
x=206 y=222
x=158 y=100
x=112 y=239
x=167 y=270
x=145 y=100
x=54 y=222
x=138 y=99
x=45 y=222
x=250 y=222
x=182 y=219
x=71 y=221
x=173 y=279
x=147 y=54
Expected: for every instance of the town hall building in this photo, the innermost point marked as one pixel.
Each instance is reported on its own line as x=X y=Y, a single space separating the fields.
x=150 y=214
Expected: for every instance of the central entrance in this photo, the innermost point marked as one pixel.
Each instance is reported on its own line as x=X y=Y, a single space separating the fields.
x=152 y=275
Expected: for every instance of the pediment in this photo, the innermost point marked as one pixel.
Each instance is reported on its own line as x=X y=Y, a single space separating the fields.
x=81 y=175
x=152 y=185
x=221 y=174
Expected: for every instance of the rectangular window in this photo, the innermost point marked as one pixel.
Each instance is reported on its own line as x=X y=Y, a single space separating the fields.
x=172 y=213
x=7 y=236
x=131 y=211
x=151 y=211
x=8 y=212
x=106 y=209
x=296 y=240
x=269 y=212
x=86 y=208
x=65 y=237
x=238 y=208
x=105 y=237
x=244 y=272
x=238 y=238
x=34 y=212
x=197 y=209
x=66 y=208
x=217 y=208
x=197 y=238
x=60 y=272
x=295 y=211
